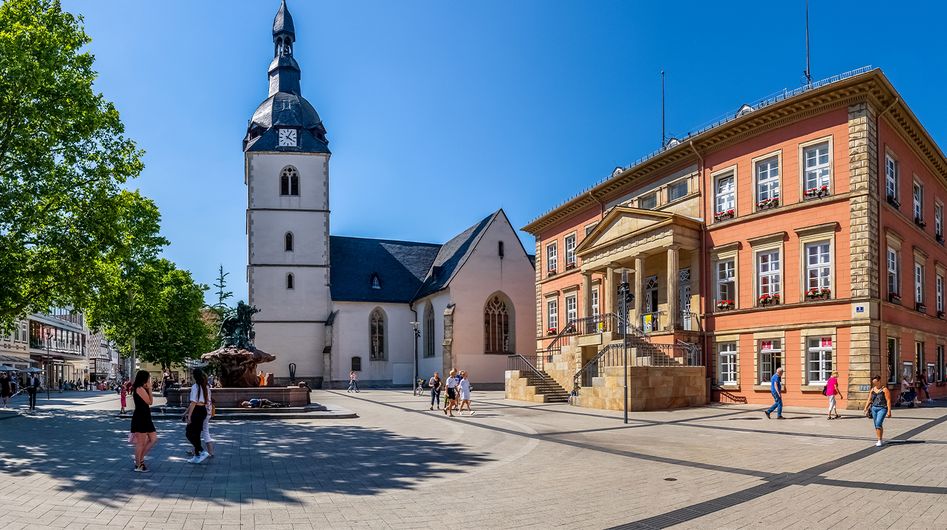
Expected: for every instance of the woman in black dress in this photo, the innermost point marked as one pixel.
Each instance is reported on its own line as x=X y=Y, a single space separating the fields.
x=6 y=389
x=143 y=429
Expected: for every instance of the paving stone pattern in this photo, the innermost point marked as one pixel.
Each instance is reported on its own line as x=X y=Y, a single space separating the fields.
x=512 y=465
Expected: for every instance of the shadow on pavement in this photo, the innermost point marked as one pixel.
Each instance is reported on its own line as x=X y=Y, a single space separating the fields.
x=88 y=453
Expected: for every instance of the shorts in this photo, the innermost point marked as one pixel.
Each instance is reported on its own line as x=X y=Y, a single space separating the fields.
x=832 y=402
x=878 y=414
x=451 y=393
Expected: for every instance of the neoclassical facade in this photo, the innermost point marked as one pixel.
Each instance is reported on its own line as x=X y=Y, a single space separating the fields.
x=385 y=309
x=805 y=232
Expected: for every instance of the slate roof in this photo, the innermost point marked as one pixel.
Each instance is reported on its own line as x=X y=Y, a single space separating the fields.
x=283 y=22
x=401 y=267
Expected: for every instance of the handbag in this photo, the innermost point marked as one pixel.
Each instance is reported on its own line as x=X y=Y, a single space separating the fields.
x=825 y=390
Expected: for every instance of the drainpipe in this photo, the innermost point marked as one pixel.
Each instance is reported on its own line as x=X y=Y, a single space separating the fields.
x=881 y=234
x=416 y=364
x=601 y=205
x=704 y=276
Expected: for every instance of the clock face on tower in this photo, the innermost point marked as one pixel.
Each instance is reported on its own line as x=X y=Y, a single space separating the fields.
x=287 y=137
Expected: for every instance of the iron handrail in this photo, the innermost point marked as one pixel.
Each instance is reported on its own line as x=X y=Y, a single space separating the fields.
x=515 y=358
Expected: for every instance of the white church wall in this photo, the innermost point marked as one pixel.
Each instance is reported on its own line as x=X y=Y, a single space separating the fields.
x=428 y=365
x=351 y=338
x=305 y=301
x=299 y=343
x=269 y=242
x=483 y=274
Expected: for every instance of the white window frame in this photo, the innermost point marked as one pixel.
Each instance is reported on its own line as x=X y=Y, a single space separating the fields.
x=728 y=373
x=771 y=274
x=766 y=359
x=772 y=182
x=552 y=314
x=939 y=219
x=595 y=302
x=572 y=309
x=917 y=197
x=725 y=200
x=570 y=251
x=892 y=171
x=894 y=270
x=939 y=291
x=726 y=275
x=552 y=257
x=918 y=282
x=823 y=269
x=821 y=356
x=820 y=173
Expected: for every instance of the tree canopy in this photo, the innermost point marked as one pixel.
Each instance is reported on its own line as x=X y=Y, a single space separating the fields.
x=68 y=228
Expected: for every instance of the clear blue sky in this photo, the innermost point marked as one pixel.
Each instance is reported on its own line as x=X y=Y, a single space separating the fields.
x=438 y=113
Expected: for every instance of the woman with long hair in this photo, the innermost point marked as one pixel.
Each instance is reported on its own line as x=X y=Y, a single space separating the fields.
x=196 y=415
x=878 y=407
x=143 y=433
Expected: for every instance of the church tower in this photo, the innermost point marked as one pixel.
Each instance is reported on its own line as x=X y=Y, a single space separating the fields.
x=286 y=170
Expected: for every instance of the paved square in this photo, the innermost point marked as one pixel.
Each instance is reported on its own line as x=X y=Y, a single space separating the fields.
x=510 y=465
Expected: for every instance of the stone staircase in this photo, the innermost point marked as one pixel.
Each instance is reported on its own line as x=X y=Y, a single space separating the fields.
x=527 y=385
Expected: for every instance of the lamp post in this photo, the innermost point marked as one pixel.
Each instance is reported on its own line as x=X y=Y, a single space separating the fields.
x=48 y=359
x=623 y=293
x=417 y=335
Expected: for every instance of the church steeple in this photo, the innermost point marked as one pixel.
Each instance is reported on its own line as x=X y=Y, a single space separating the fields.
x=284 y=71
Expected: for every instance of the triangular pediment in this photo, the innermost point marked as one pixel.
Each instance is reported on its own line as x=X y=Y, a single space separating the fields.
x=623 y=221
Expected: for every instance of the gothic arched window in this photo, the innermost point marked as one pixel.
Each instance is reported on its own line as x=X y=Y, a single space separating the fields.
x=498 y=334
x=290 y=281
x=288 y=242
x=376 y=335
x=429 y=330
x=289 y=182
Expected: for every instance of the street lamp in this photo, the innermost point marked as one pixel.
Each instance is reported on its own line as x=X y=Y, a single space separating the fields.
x=417 y=335
x=49 y=360
x=623 y=294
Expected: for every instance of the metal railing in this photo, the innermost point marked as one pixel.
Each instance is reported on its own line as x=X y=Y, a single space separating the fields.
x=640 y=353
x=533 y=363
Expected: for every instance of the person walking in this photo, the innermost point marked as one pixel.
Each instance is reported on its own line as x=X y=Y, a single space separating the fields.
x=6 y=389
x=353 y=382
x=878 y=407
x=776 y=387
x=465 y=392
x=435 y=384
x=832 y=392
x=922 y=386
x=143 y=433
x=32 y=387
x=451 y=394
x=122 y=396
x=196 y=414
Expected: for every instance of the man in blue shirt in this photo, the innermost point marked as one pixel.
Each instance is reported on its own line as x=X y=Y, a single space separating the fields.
x=776 y=387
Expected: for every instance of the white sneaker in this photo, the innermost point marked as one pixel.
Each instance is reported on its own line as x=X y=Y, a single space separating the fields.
x=201 y=457
x=192 y=460
x=879 y=443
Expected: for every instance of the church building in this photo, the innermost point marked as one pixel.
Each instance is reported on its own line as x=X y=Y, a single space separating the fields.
x=388 y=310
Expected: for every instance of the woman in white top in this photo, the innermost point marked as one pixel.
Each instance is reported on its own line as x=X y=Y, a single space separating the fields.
x=451 y=394
x=196 y=413
x=464 y=392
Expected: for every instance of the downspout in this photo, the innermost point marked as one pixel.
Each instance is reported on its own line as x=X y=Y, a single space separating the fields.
x=881 y=234
x=417 y=368
x=601 y=205
x=704 y=274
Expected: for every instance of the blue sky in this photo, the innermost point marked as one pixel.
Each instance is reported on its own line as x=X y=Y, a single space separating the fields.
x=438 y=113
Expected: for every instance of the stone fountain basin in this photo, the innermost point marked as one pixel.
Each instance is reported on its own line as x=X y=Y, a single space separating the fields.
x=227 y=398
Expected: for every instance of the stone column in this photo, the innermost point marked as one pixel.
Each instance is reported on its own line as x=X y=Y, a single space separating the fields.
x=587 y=297
x=673 y=283
x=609 y=302
x=639 y=291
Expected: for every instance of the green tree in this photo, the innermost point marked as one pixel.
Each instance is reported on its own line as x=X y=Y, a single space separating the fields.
x=157 y=309
x=221 y=307
x=68 y=227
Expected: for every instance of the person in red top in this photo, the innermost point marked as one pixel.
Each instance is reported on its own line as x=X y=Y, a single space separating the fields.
x=832 y=391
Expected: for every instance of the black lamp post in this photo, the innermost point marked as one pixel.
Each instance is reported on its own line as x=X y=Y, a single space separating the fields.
x=623 y=294
x=417 y=335
x=49 y=359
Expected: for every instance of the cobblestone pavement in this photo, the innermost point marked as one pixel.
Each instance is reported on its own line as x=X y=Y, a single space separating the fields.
x=510 y=465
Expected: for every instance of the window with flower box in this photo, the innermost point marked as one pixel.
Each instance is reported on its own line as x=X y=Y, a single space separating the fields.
x=768 y=272
x=552 y=316
x=726 y=284
x=818 y=270
x=891 y=180
x=552 y=259
x=767 y=182
x=770 y=359
x=727 y=352
x=572 y=310
x=725 y=196
x=570 y=251
x=919 y=286
x=817 y=172
x=819 y=359
x=894 y=276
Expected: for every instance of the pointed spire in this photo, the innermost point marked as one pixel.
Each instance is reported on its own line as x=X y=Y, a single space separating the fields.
x=283 y=23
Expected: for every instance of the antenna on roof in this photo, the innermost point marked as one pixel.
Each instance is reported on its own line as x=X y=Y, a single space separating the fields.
x=663 y=135
x=808 y=72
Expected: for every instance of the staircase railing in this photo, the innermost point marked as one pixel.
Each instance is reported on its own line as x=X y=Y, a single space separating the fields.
x=641 y=352
x=524 y=364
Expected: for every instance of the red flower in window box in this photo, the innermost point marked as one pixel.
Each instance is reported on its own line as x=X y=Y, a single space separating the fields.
x=766 y=204
x=726 y=214
x=894 y=297
x=820 y=191
x=724 y=305
x=817 y=293
x=551 y=331
x=769 y=299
